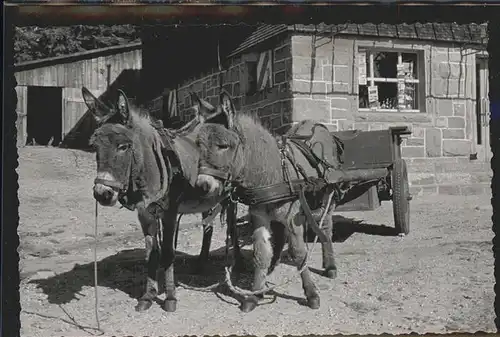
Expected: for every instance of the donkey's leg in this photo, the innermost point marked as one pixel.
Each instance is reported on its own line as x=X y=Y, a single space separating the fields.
x=262 y=255
x=298 y=252
x=168 y=258
x=208 y=229
x=329 y=265
x=150 y=230
x=239 y=262
x=279 y=235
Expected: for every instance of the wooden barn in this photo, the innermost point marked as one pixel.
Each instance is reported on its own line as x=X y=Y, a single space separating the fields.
x=50 y=106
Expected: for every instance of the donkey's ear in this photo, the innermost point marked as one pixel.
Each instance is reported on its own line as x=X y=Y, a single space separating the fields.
x=122 y=105
x=98 y=109
x=202 y=108
x=227 y=105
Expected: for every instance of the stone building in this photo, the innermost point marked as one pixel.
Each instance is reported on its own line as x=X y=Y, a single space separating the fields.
x=432 y=77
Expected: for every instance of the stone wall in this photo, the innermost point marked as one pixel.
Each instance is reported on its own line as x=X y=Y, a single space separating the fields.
x=272 y=106
x=325 y=88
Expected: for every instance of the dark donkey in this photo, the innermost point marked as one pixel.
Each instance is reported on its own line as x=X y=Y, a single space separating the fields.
x=144 y=167
x=269 y=175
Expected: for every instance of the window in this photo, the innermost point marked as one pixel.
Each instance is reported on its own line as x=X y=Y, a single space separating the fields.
x=389 y=81
x=259 y=67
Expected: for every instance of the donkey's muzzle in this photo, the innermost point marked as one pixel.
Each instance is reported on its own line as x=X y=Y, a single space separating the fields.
x=105 y=195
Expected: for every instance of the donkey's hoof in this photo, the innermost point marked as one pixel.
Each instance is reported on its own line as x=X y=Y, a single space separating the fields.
x=249 y=304
x=330 y=273
x=170 y=305
x=313 y=302
x=143 y=305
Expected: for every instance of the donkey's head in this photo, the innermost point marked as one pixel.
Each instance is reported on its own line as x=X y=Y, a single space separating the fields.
x=118 y=142
x=128 y=150
x=234 y=147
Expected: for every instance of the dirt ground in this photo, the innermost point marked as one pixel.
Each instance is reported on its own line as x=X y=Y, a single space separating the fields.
x=439 y=278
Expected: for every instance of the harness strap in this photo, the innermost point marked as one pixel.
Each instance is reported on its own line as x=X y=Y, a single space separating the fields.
x=310 y=218
x=113 y=184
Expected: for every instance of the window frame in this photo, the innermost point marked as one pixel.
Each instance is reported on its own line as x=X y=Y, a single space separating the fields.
x=370 y=80
x=252 y=58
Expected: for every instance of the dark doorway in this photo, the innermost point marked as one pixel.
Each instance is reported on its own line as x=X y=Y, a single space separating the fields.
x=44 y=120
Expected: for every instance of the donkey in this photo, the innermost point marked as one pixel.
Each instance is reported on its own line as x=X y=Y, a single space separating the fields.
x=238 y=150
x=143 y=166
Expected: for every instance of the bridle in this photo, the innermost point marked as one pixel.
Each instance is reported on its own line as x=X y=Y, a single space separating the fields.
x=228 y=180
x=128 y=191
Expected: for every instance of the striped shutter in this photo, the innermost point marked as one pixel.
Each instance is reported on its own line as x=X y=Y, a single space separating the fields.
x=265 y=70
x=172 y=103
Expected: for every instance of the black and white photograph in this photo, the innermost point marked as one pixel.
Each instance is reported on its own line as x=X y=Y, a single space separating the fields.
x=262 y=178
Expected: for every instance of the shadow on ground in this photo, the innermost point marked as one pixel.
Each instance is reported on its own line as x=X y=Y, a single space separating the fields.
x=344 y=227
x=125 y=271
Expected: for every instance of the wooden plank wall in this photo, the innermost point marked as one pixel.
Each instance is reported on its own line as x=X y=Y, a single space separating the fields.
x=21 y=109
x=91 y=73
x=74 y=108
x=71 y=77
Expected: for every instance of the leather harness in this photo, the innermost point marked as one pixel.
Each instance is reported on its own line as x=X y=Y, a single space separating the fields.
x=288 y=190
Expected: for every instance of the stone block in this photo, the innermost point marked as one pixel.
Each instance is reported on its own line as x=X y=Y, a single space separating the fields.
x=482 y=177
x=345 y=124
x=301 y=46
x=439 y=87
x=459 y=109
x=337 y=88
x=306 y=108
x=444 y=107
x=421 y=178
x=449 y=190
x=378 y=126
x=420 y=165
x=456 y=147
x=363 y=126
x=456 y=122
x=343 y=58
x=470 y=117
x=279 y=65
x=468 y=166
x=316 y=88
x=453 y=178
x=280 y=77
x=442 y=122
x=429 y=190
x=453 y=133
x=328 y=73
x=236 y=89
x=418 y=132
x=340 y=103
x=414 y=141
x=475 y=189
x=282 y=53
x=342 y=74
x=433 y=142
x=302 y=67
x=412 y=151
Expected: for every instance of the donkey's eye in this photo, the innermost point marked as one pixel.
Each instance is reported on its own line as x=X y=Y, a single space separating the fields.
x=222 y=146
x=123 y=147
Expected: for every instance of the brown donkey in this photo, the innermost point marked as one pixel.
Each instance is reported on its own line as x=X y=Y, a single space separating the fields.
x=144 y=166
x=240 y=152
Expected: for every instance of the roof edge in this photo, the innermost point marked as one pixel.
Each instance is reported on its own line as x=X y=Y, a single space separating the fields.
x=28 y=65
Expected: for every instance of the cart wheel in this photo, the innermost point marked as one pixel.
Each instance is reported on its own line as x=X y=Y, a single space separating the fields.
x=401 y=197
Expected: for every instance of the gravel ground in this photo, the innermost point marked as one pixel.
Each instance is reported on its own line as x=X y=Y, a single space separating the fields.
x=437 y=279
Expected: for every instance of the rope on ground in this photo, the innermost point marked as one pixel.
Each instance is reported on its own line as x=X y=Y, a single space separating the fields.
x=96 y=304
x=243 y=292
x=239 y=291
